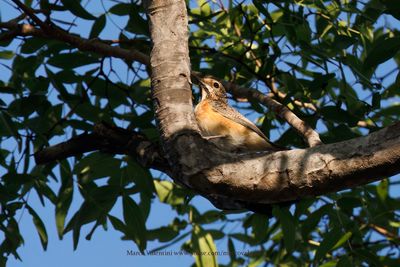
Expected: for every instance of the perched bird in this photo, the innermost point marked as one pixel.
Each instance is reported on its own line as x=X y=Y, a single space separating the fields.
x=217 y=119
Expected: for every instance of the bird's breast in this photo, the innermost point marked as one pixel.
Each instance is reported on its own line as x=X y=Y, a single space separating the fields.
x=212 y=123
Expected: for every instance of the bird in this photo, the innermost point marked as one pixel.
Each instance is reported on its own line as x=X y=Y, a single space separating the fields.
x=216 y=118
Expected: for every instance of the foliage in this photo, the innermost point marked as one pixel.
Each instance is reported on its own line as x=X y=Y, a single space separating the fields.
x=341 y=57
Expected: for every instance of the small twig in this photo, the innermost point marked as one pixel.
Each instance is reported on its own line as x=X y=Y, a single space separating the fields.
x=384 y=231
x=379 y=229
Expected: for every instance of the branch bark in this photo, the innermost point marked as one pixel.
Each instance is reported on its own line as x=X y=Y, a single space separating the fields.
x=109 y=139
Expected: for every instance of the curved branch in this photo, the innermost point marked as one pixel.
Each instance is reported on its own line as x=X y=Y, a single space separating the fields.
x=109 y=139
x=304 y=130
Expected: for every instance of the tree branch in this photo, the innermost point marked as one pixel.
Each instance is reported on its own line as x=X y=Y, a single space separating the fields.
x=109 y=139
x=290 y=175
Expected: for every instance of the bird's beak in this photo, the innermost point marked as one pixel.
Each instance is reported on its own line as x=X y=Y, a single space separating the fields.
x=202 y=85
x=204 y=89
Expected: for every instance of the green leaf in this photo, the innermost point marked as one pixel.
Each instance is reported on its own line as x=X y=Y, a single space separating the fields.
x=376 y=100
x=169 y=192
x=72 y=60
x=288 y=226
x=41 y=229
x=176 y=240
x=98 y=26
x=261 y=8
x=25 y=106
x=140 y=176
x=342 y=240
x=231 y=249
x=392 y=8
x=31 y=45
x=97 y=165
x=64 y=198
x=89 y=112
x=336 y=114
x=6 y=54
x=117 y=224
x=329 y=264
x=210 y=216
x=344 y=262
x=94 y=208
x=7 y=126
x=136 y=23
x=204 y=248
x=320 y=81
x=244 y=238
x=259 y=226
x=331 y=238
x=162 y=234
x=120 y=9
x=216 y=234
x=134 y=221
x=382 y=190
x=378 y=55
x=43 y=189
x=343 y=41
x=75 y=7
x=348 y=203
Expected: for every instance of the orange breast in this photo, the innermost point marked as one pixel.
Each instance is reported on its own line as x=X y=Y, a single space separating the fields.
x=212 y=123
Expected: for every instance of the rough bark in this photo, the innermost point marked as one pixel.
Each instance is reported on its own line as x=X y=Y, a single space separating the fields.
x=108 y=139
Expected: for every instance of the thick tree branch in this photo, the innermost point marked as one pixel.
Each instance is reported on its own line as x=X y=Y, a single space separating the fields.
x=110 y=139
x=289 y=175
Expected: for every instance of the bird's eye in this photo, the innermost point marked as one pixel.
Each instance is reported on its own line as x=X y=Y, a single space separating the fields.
x=216 y=85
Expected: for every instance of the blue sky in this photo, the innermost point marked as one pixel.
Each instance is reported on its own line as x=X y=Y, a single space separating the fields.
x=105 y=248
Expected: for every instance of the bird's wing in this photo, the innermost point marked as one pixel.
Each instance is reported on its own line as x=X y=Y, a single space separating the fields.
x=232 y=114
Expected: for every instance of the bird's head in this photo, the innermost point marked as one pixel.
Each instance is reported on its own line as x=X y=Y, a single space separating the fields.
x=211 y=89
